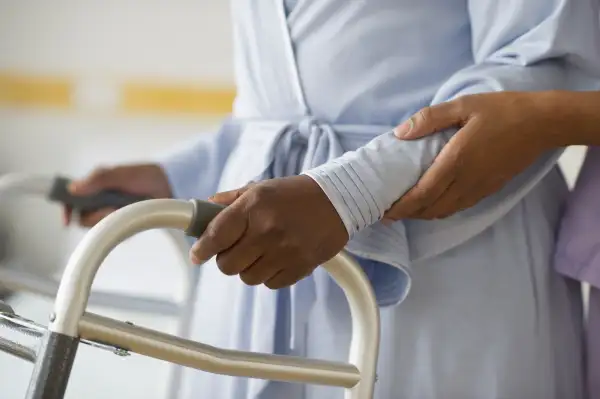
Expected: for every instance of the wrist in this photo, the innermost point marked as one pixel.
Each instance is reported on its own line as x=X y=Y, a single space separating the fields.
x=574 y=116
x=549 y=116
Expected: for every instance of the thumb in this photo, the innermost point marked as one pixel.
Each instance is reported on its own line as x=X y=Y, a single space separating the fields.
x=229 y=197
x=430 y=120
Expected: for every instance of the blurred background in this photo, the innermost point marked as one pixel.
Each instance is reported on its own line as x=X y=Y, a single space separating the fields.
x=96 y=83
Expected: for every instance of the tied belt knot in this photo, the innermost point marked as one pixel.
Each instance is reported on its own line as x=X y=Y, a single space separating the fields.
x=302 y=146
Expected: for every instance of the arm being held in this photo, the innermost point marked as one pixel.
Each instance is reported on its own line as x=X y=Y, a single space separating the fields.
x=546 y=45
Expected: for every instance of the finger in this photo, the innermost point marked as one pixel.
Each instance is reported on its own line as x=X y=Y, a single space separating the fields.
x=240 y=256
x=260 y=272
x=287 y=277
x=90 y=219
x=461 y=195
x=117 y=178
x=432 y=119
x=224 y=231
x=229 y=197
x=447 y=204
x=91 y=184
x=475 y=196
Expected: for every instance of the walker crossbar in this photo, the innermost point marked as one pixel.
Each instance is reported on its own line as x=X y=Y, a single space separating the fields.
x=55 y=189
x=70 y=323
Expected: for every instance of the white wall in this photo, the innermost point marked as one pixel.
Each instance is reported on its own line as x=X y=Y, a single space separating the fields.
x=100 y=43
x=179 y=39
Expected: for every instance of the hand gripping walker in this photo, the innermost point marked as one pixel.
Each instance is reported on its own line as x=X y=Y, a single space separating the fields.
x=71 y=324
x=54 y=189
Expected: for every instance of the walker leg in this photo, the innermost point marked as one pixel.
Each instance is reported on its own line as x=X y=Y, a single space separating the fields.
x=53 y=367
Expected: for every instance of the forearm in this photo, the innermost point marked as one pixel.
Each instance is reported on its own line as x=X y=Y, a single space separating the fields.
x=194 y=169
x=574 y=117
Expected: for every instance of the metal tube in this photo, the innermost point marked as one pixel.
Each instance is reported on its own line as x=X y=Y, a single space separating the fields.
x=364 y=347
x=19 y=280
x=75 y=286
x=53 y=367
x=24 y=184
x=74 y=289
x=215 y=360
x=18 y=350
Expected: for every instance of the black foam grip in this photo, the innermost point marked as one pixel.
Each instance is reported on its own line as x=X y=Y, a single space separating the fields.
x=90 y=203
x=204 y=213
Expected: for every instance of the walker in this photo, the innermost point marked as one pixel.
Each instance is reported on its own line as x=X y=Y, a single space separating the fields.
x=71 y=324
x=54 y=189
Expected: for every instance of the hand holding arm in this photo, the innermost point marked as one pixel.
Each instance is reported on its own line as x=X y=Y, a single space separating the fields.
x=501 y=134
x=511 y=52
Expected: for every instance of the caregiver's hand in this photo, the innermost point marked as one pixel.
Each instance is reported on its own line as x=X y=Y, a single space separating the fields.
x=147 y=180
x=500 y=135
x=274 y=232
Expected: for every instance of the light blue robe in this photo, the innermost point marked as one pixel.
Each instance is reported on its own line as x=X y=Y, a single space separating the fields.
x=471 y=308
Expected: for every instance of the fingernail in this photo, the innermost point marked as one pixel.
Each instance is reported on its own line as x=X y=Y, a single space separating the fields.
x=404 y=129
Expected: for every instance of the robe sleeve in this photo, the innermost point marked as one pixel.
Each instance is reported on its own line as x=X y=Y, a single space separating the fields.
x=194 y=168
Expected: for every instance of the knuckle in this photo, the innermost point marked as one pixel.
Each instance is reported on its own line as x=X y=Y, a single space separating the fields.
x=101 y=175
x=261 y=193
x=426 y=114
x=272 y=227
x=461 y=104
x=100 y=171
x=420 y=193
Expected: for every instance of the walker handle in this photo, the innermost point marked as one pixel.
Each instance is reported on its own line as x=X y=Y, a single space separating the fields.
x=55 y=188
x=59 y=192
x=70 y=322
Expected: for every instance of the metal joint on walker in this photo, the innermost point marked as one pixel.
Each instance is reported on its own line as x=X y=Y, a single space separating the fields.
x=33 y=329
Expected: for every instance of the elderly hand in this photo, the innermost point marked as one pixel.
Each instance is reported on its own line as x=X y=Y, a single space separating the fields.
x=500 y=135
x=147 y=180
x=274 y=232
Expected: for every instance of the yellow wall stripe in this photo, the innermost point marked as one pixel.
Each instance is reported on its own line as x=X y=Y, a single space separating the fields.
x=138 y=98
x=22 y=90
x=133 y=97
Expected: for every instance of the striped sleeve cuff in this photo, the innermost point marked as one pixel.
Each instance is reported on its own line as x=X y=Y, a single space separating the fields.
x=363 y=184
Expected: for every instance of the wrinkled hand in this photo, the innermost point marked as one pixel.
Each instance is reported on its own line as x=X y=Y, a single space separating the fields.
x=500 y=135
x=147 y=180
x=274 y=232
